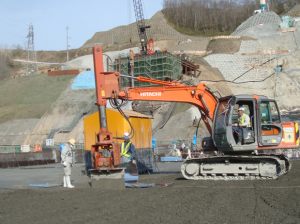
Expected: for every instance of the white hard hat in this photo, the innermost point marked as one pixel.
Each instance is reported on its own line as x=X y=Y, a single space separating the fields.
x=241 y=108
x=72 y=141
x=126 y=135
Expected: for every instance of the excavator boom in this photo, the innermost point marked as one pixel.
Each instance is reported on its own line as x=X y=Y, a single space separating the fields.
x=199 y=96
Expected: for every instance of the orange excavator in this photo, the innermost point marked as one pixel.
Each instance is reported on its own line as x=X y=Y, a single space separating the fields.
x=252 y=158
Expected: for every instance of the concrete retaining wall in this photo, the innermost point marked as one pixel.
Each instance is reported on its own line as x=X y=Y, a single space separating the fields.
x=26 y=159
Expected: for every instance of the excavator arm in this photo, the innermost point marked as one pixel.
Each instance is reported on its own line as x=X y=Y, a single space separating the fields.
x=199 y=96
x=107 y=85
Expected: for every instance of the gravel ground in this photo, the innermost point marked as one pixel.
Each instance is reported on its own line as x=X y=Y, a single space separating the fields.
x=275 y=201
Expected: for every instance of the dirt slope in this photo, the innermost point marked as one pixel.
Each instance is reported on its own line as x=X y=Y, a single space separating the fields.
x=126 y=36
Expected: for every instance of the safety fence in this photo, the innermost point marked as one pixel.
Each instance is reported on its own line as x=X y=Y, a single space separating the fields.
x=17 y=159
x=166 y=146
x=10 y=148
x=170 y=148
x=145 y=160
x=13 y=156
x=27 y=155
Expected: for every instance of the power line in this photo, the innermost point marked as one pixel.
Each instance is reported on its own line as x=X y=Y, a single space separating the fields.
x=68 y=45
x=31 y=54
x=252 y=69
x=234 y=82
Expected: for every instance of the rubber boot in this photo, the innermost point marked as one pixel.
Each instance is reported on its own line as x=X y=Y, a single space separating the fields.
x=68 y=179
x=65 y=181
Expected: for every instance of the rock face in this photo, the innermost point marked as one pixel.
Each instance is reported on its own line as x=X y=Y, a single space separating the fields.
x=266 y=65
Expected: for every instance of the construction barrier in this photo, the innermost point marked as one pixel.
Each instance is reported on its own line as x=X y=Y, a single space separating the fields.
x=26 y=159
x=27 y=155
x=63 y=72
x=37 y=148
x=225 y=37
x=145 y=160
x=297 y=134
x=10 y=148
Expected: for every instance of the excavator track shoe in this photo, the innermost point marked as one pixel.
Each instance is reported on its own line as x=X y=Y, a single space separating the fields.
x=256 y=167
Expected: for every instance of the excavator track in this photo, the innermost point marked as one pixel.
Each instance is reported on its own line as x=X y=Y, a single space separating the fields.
x=227 y=167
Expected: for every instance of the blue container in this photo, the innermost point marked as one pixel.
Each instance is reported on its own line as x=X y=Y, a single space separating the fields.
x=130 y=178
x=85 y=80
x=170 y=159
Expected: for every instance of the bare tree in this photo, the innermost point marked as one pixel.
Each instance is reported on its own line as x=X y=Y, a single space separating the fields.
x=207 y=17
x=283 y=6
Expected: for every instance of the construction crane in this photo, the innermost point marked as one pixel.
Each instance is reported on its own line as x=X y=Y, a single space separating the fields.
x=231 y=159
x=141 y=25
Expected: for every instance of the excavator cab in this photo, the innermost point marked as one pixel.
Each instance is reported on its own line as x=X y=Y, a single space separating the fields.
x=264 y=130
x=236 y=160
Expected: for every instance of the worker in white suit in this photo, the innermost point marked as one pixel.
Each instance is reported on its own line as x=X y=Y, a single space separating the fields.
x=67 y=161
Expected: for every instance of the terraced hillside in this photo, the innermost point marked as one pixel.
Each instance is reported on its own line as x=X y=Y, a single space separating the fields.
x=252 y=68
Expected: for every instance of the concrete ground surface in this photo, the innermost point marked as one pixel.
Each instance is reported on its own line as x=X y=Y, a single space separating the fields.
x=107 y=201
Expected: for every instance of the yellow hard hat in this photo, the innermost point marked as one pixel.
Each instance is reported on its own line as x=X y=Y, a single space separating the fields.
x=72 y=141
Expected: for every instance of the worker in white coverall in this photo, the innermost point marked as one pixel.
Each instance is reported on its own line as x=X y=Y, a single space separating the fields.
x=67 y=161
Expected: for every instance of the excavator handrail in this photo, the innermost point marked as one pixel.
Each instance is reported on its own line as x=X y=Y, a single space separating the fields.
x=158 y=82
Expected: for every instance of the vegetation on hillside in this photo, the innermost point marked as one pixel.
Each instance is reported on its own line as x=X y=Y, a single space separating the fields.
x=5 y=64
x=283 y=6
x=29 y=96
x=206 y=17
x=215 y=16
x=51 y=56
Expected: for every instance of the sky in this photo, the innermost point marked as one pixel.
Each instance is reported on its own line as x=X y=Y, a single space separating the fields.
x=51 y=17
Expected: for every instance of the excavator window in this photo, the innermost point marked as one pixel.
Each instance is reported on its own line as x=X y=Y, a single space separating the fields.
x=270 y=126
x=269 y=113
x=243 y=135
x=226 y=120
x=248 y=110
x=265 y=113
x=221 y=123
x=221 y=118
